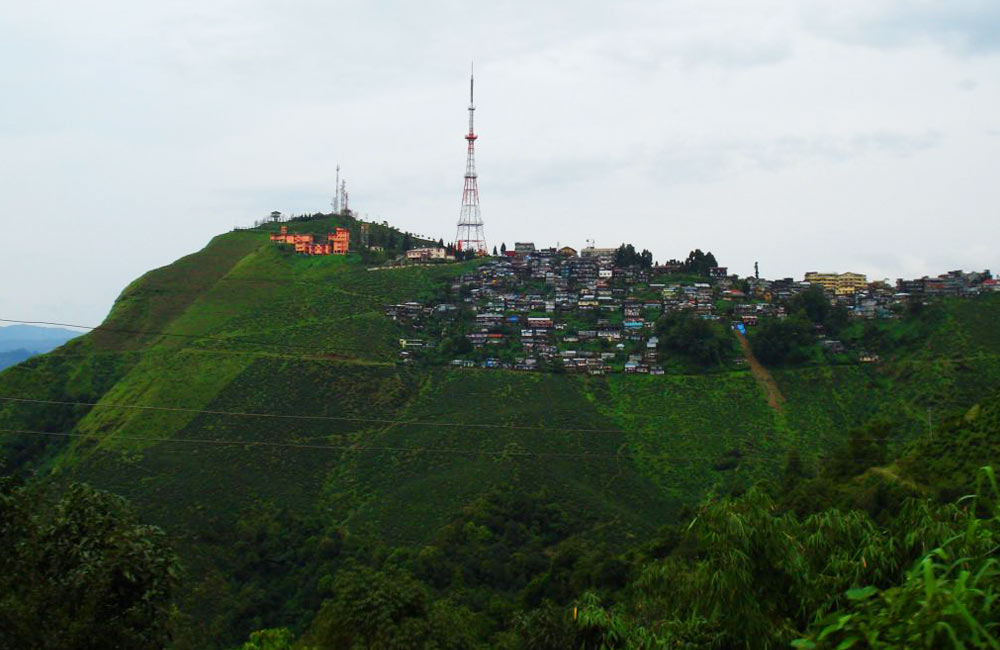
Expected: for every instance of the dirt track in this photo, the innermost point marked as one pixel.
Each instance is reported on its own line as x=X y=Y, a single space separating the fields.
x=760 y=373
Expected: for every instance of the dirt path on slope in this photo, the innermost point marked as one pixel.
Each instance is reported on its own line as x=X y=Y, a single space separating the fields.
x=760 y=373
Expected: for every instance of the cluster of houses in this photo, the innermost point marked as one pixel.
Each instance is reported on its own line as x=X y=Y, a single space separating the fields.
x=337 y=242
x=559 y=309
x=953 y=283
x=544 y=308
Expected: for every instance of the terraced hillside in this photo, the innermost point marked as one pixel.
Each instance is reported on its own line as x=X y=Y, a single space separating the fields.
x=245 y=379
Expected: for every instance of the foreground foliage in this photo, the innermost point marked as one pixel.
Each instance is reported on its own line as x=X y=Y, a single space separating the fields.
x=949 y=598
x=746 y=575
x=78 y=571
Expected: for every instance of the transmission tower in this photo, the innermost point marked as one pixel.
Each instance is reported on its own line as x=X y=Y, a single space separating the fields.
x=335 y=203
x=470 y=222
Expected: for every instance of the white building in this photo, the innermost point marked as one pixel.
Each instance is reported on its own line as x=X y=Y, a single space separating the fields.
x=429 y=253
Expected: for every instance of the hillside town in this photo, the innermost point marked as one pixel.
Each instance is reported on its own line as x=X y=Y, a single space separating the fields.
x=595 y=310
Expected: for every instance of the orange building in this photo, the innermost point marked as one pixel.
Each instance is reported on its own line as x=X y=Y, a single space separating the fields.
x=341 y=241
x=280 y=237
x=294 y=238
x=337 y=243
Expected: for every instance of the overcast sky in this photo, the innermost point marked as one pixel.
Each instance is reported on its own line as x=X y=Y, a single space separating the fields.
x=846 y=135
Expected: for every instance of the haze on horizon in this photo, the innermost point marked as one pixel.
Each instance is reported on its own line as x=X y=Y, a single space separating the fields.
x=858 y=136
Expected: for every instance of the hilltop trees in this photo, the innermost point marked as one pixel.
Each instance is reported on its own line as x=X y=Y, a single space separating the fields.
x=698 y=262
x=626 y=255
x=793 y=340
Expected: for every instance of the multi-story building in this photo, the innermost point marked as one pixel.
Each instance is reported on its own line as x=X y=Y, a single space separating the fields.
x=340 y=241
x=838 y=283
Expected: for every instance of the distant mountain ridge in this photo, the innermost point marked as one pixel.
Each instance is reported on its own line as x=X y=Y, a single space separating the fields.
x=10 y=358
x=20 y=342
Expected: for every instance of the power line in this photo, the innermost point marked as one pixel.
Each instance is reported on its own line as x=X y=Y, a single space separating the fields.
x=264 y=280
x=320 y=356
x=339 y=347
x=359 y=448
x=389 y=448
x=24 y=367
x=205 y=337
x=294 y=416
x=386 y=421
x=336 y=347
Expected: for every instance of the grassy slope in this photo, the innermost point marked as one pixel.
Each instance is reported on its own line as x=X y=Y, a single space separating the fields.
x=955 y=366
x=300 y=335
x=260 y=330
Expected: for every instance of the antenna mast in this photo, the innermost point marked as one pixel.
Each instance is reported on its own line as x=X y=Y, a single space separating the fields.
x=470 y=221
x=335 y=203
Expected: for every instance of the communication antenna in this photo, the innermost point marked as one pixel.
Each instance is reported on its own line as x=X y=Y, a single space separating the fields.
x=470 y=221
x=336 y=193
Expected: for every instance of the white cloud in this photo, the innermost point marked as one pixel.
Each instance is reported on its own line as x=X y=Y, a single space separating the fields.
x=966 y=27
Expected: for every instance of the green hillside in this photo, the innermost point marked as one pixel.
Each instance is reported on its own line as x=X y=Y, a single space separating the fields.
x=243 y=395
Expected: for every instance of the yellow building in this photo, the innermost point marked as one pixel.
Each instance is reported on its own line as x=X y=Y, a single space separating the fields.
x=838 y=283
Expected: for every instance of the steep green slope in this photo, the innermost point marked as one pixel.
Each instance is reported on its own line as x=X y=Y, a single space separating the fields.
x=245 y=379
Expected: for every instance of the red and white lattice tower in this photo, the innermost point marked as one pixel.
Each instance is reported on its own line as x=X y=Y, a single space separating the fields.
x=470 y=222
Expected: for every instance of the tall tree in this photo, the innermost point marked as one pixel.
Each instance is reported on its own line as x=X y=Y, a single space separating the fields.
x=699 y=262
x=77 y=570
x=387 y=609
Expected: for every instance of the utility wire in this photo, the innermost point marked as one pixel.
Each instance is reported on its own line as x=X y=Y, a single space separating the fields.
x=294 y=416
x=319 y=349
x=23 y=367
x=321 y=356
x=205 y=337
x=239 y=339
x=388 y=448
x=263 y=443
x=386 y=421
x=151 y=287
